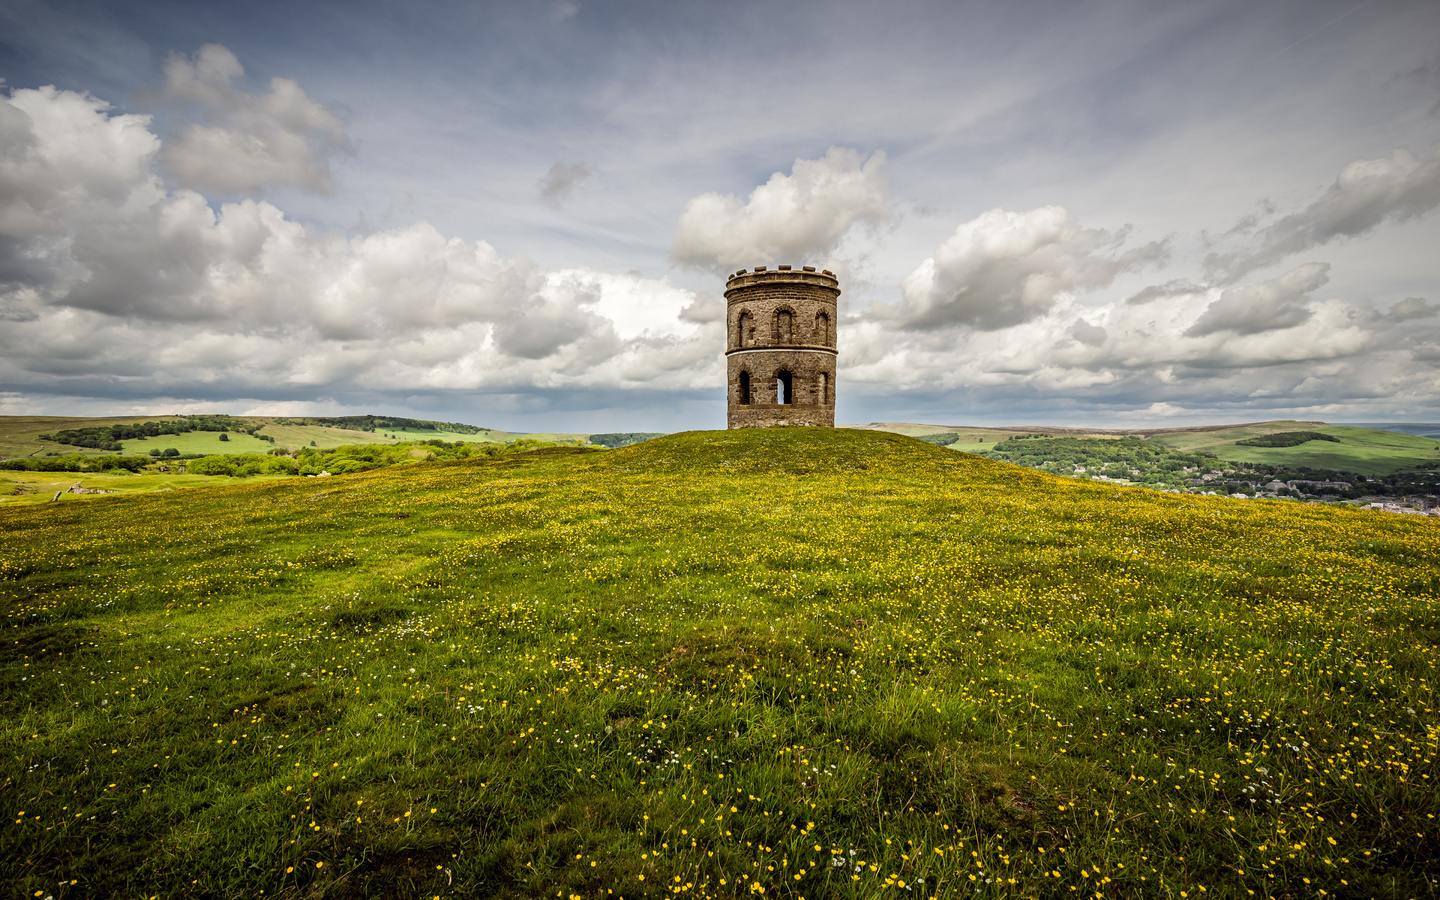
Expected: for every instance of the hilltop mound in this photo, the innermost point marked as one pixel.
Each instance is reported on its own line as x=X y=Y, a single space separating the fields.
x=716 y=659
x=792 y=451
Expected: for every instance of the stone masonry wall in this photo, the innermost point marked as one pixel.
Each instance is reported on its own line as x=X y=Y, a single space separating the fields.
x=781 y=321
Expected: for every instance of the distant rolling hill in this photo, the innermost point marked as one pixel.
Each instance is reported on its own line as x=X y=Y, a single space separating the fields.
x=20 y=435
x=1367 y=451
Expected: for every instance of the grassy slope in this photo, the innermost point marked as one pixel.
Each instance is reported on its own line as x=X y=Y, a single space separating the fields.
x=826 y=662
x=200 y=442
x=1361 y=450
x=295 y=437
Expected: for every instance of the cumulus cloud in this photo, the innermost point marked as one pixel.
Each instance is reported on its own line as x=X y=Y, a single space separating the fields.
x=115 y=282
x=1367 y=193
x=562 y=179
x=789 y=218
x=247 y=142
x=1117 y=358
x=1267 y=306
x=1003 y=268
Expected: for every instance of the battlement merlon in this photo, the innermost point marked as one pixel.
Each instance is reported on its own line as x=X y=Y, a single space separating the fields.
x=807 y=275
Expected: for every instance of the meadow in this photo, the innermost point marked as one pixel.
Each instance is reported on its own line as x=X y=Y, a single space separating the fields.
x=32 y=488
x=781 y=663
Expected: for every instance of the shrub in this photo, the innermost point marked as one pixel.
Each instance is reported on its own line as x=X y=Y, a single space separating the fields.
x=1287 y=439
x=240 y=465
x=943 y=439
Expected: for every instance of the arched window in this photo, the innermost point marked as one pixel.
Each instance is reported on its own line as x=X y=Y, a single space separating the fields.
x=745 y=330
x=744 y=392
x=784 y=387
x=822 y=328
x=784 y=326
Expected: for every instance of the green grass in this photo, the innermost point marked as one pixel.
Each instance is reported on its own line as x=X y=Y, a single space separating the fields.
x=26 y=488
x=295 y=437
x=712 y=661
x=1361 y=450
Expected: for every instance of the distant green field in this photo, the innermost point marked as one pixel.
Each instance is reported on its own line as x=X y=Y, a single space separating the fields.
x=1360 y=450
x=199 y=442
x=296 y=436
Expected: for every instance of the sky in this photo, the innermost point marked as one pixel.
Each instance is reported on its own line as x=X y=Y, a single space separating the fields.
x=521 y=215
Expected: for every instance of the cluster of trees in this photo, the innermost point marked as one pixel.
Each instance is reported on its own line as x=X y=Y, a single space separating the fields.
x=76 y=463
x=1287 y=439
x=623 y=438
x=373 y=423
x=941 y=439
x=108 y=437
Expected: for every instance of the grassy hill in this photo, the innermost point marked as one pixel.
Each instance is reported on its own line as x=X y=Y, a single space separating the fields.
x=818 y=663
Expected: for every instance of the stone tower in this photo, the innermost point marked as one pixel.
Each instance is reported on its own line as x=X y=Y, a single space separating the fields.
x=780 y=347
